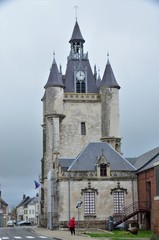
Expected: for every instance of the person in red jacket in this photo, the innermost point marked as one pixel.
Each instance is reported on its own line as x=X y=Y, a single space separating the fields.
x=72 y=225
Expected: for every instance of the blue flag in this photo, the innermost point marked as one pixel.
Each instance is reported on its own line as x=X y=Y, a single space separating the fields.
x=37 y=185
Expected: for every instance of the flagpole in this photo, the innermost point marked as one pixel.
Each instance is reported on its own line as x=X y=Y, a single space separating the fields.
x=0 y=195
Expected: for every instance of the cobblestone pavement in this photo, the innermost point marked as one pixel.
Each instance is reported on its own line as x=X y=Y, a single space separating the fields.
x=62 y=234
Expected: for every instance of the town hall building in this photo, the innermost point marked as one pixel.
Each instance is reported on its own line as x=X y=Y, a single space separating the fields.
x=83 y=171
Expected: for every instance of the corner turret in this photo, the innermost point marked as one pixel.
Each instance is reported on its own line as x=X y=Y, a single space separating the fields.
x=109 y=91
x=54 y=91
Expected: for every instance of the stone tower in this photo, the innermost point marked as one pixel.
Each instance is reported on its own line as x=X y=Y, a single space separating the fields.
x=78 y=108
x=109 y=92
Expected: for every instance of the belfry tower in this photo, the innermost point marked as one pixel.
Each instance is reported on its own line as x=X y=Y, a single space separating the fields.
x=78 y=108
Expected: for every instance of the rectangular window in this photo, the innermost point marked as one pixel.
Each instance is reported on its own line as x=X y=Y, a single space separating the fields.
x=83 y=128
x=89 y=203
x=103 y=170
x=118 y=198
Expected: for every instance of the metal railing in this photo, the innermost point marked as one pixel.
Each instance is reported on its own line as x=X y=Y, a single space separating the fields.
x=128 y=212
x=131 y=210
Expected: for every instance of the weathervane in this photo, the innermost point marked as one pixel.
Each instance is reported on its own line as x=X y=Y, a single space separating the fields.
x=108 y=56
x=76 y=7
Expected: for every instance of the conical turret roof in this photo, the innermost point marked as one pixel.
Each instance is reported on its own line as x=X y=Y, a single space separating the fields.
x=109 y=78
x=76 y=35
x=55 y=78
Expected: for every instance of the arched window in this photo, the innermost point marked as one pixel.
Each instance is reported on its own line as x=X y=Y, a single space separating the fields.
x=80 y=86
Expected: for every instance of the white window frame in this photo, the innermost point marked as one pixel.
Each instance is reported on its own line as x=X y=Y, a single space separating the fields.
x=89 y=203
x=156 y=180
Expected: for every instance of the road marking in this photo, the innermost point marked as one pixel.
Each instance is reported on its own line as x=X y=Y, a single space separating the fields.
x=18 y=237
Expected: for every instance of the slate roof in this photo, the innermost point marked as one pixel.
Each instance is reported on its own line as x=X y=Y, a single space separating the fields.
x=109 y=78
x=65 y=163
x=146 y=160
x=76 y=35
x=79 y=65
x=86 y=160
x=33 y=200
x=3 y=202
x=23 y=202
x=55 y=78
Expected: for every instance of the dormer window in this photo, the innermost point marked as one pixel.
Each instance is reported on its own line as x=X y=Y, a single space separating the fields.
x=103 y=170
x=103 y=166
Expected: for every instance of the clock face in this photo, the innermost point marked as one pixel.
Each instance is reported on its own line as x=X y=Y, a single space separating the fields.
x=80 y=75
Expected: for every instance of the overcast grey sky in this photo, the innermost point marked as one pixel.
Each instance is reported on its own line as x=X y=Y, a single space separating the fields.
x=30 y=30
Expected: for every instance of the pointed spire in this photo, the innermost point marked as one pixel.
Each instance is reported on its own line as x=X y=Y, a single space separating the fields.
x=99 y=78
x=95 y=72
x=76 y=35
x=108 y=77
x=60 y=69
x=55 y=78
x=98 y=82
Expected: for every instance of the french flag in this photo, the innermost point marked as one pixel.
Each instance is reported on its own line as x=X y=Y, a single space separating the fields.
x=37 y=185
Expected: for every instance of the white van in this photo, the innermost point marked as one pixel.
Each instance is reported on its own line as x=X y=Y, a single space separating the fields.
x=10 y=223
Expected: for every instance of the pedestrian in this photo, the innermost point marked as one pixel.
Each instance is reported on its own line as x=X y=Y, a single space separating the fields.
x=72 y=225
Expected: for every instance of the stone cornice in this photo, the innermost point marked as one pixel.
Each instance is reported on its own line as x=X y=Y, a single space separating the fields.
x=84 y=97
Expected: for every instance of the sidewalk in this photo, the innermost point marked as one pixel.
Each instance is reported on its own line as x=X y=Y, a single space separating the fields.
x=62 y=234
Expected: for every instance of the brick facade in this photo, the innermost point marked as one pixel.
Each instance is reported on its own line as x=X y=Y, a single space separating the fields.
x=147 y=192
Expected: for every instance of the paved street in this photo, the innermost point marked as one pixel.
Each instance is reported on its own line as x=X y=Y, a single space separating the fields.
x=36 y=233
x=10 y=233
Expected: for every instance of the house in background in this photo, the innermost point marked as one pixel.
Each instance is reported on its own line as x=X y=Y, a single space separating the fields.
x=33 y=210
x=4 y=212
x=21 y=209
x=28 y=209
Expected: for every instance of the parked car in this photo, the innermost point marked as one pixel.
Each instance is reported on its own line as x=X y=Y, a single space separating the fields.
x=10 y=223
x=24 y=223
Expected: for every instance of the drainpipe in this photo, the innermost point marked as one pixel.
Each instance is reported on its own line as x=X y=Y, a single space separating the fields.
x=133 y=197
x=69 y=204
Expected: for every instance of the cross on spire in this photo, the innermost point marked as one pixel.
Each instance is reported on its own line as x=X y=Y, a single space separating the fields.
x=76 y=7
